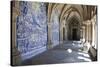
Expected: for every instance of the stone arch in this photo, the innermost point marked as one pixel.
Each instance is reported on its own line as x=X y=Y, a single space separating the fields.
x=73 y=29
x=76 y=8
x=72 y=15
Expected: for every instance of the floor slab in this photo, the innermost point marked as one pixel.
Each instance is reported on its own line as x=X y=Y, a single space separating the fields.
x=69 y=52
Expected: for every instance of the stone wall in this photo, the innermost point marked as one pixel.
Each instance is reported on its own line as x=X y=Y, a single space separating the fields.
x=55 y=28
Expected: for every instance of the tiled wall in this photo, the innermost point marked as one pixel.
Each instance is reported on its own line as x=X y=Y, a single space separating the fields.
x=31 y=29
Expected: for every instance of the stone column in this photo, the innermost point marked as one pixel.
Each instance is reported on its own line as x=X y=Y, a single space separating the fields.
x=93 y=37
x=87 y=29
x=94 y=31
x=65 y=30
x=15 y=54
x=89 y=33
x=90 y=39
x=86 y=32
x=61 y=33
x=49 y=36
x=83 y=32
x=81 y=36
x=86 y=45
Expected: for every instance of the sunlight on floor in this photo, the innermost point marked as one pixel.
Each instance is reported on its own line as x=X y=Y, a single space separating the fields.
x=86 y=55
x=86 y=59
x=69 y=50
x=79 y=49
x=73 y=44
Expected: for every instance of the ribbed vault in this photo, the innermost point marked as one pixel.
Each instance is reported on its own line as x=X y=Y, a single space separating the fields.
x=65 y=14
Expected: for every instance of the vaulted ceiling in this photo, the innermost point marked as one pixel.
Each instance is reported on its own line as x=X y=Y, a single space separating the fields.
x=68 y=11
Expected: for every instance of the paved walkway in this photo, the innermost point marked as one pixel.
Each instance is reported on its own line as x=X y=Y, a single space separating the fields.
x=69 y=52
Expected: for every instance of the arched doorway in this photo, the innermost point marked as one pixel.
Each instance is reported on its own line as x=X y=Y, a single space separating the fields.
x=73 y=29
x=74 y=34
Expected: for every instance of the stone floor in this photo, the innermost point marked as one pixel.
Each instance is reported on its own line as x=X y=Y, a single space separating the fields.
x=69 y=52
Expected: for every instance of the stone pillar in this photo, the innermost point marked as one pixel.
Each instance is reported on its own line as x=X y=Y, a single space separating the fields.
x=88 y=22
x=89 y=32
x=64 y=25
x=83 y=33
x=86 y=45
x=95 y=31
x=81 y=36
x=93 y=35
x=61 y=33
x=66 y=31
x=96 y=37
x=86 y=33
x=49 y=36
x=15 y=54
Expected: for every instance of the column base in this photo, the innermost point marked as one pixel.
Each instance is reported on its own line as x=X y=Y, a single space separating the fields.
x=86 y=47
x=16 y=59
x=49 y=45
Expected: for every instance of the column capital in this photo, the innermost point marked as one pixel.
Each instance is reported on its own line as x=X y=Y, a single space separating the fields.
x=88 y=22
x=93 y=21
x=83 y=27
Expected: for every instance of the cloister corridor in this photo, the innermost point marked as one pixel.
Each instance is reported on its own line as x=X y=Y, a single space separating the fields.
x=49 y=33
x=69 y=52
